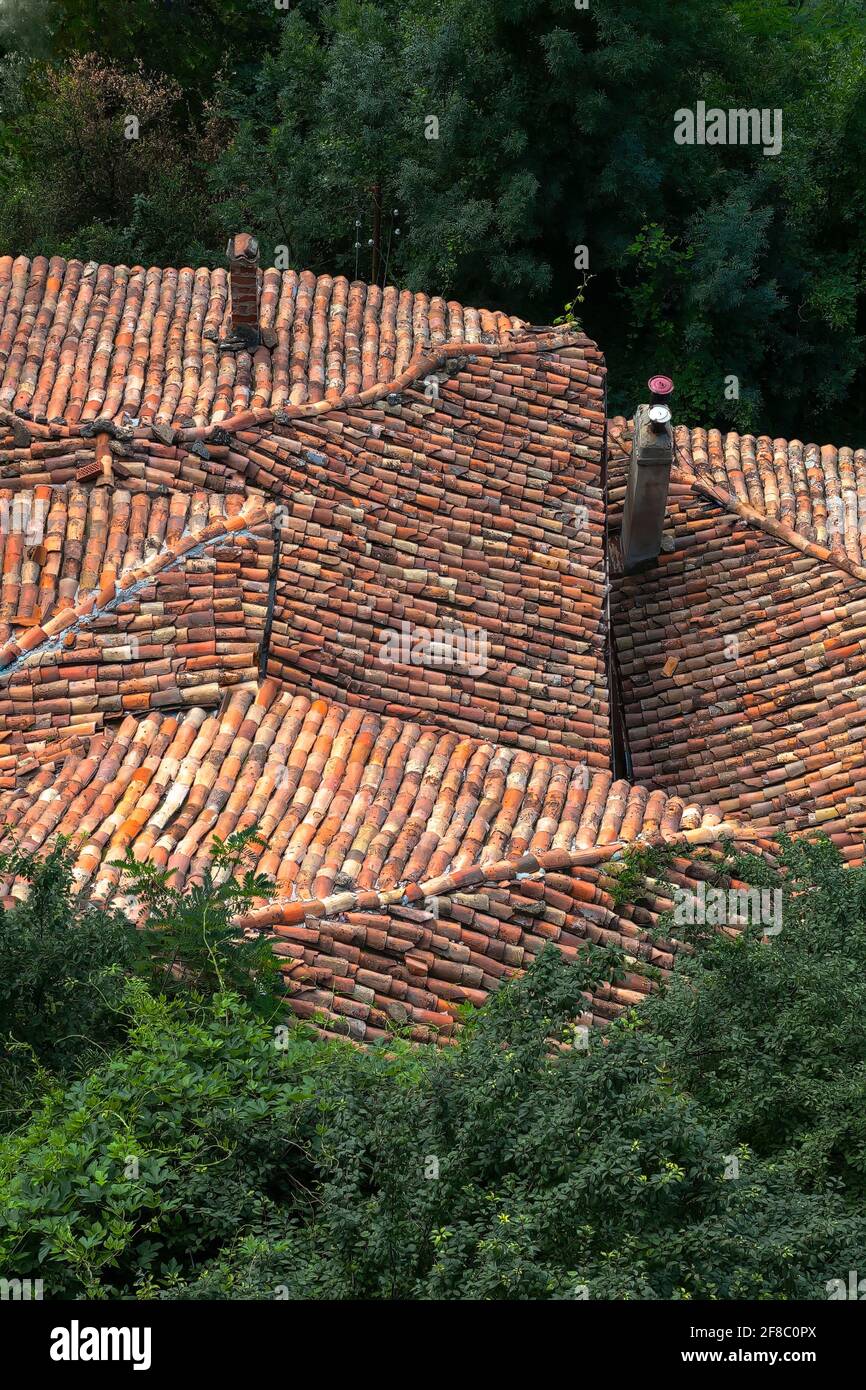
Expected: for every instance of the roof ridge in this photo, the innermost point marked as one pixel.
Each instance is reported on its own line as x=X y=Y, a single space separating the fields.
x=98 y=599
x=779 y=529
x=702 y=476
x=284 y=912
x=424 y=362
x=86 y=341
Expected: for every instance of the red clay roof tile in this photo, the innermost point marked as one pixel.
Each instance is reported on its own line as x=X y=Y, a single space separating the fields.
x=83 y=341
x=213 y=623
x=764 y=711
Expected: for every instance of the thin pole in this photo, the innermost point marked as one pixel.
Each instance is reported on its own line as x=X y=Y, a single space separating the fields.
x=377 y=234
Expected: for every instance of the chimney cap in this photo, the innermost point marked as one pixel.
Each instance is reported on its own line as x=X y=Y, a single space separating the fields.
x=660 y=387
x=243 y=246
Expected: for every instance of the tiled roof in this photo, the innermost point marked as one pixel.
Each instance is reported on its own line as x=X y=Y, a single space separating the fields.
x=468 y=505
x=741 y=655
x=346 y=801
x=131 y=602
x=73 y=541
x=216 y=623
x=818 y=491
x=814 y=492
x=85 y=341
x=436 y=861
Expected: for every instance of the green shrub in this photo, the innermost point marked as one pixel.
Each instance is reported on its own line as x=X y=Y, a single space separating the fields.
x=190 y=933
x=62 y=967
x=158 y=1155
x=706 y=1146
x=773 y=1036
x=64 y=962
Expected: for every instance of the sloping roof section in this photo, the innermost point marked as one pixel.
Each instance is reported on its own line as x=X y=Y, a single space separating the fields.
x=347 y=802
x=817 y=490
x=81 y=341
x=474 y=515
x=59 y=544
x=125 y=602
x=415 y=869
x=438 y=553
x=741 y=655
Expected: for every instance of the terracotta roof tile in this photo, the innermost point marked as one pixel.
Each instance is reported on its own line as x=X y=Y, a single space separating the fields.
x=444 y=863
x=82 y=341
x=346 y=801
x=131 y=601
x=354 y=589
x=741 y=656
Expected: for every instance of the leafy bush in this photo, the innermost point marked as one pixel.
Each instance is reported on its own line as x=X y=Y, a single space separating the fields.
x=216 y=1157
x=62 y=967
x=190 y=932
x=159 y=1154
x=64 y=962
x=774 y=1036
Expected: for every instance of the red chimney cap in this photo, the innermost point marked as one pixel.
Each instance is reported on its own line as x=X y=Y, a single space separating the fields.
x=661 y=385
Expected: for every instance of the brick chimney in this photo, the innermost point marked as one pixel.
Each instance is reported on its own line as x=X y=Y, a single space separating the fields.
x=649 y=476
x=243 y=258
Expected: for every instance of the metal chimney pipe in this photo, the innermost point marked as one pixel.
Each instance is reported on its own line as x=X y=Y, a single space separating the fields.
x=649 y=476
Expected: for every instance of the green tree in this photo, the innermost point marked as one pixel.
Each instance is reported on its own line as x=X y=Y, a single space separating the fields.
x=191 y=41
x=95 y=163
x=480 y=145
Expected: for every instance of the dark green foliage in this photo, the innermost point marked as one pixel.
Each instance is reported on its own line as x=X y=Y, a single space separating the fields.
x=62 y=969
x=709 y=1145
x=799 y=1096
x=188 y=40
x=78 y=180
x=555 y=130
x=160 y=1153
x=64 y=963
